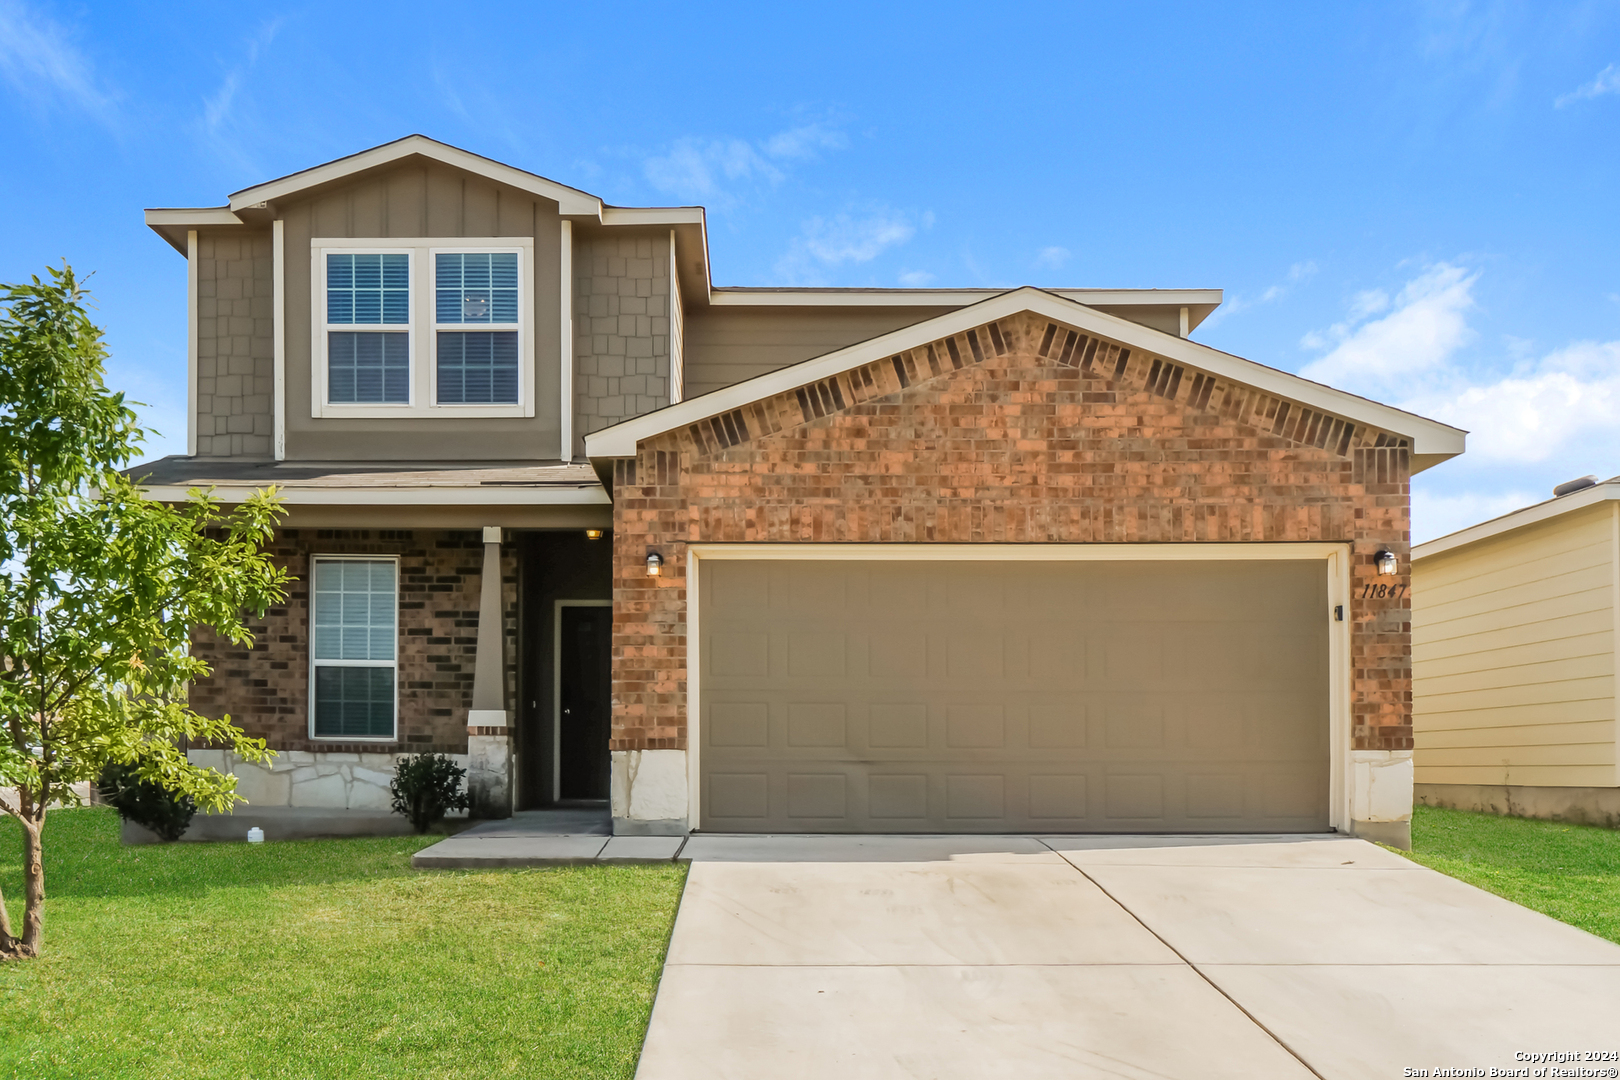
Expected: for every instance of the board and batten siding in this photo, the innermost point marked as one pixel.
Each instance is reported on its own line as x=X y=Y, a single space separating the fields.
x=423 y=200
x=725 y=345
x=1513 y=656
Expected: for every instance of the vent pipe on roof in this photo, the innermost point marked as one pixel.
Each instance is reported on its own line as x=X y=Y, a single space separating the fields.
x=1571 y=486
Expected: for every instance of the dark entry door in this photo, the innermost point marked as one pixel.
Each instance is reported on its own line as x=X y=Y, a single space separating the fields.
x=585 y=655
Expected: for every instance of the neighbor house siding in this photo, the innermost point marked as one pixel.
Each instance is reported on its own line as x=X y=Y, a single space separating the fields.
x=1017 y=432
x=438 y=202
x=235 y=344
x=265 y=688
x=621 y=327
x=1513 y=652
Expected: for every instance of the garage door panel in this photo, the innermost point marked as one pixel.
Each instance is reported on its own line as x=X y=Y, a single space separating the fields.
x=915 y=702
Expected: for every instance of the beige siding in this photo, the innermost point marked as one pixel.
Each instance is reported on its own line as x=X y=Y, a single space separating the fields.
x=621 y=327
x=423 y=200
x=235 y=350
x=1513 y=656
x=725 y=345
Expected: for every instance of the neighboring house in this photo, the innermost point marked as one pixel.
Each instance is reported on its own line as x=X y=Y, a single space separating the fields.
x=926 y=560
x=1513 y=648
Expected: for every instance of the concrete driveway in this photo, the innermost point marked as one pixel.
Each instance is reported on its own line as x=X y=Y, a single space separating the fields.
x=858 y=957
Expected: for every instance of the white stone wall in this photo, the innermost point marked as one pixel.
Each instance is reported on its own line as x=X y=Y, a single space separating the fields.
x=1381 y=785
x=306 y=778
x=649 y=790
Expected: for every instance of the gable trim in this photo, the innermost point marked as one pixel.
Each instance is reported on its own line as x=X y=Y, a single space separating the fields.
x=1432 y=442
x=571 y=201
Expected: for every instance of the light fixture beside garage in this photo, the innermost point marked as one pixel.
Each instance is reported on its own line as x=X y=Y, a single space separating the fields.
x=593 y=534
x=1387 y=563
x=655 y=564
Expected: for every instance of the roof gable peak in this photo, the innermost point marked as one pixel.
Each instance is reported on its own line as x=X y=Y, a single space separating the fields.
x=571 y=201
x=1431 y=442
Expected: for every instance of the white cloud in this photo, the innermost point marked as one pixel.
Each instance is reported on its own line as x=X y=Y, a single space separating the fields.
x=1428 y=325
x=916 y=279
x=41 y=62
x=1607 y=82
x=1542 y=410
x=1052 y=258
x=710 y=168
x=803 y=142
x=1435 y=514
x=695 y=168
x=221 y=123
x=1533 y=420
x=843 y=239
x=1237 y=303
x=824 y=243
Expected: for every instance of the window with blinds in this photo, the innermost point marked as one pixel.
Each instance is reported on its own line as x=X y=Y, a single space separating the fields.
x=353 y=653
x=368 y=341
x=476 y=366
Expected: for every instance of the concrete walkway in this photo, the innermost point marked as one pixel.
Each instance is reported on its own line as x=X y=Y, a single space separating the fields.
x=943 y=957
x=544 y=838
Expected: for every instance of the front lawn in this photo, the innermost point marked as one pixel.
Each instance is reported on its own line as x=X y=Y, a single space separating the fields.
x=327 y=958
x=1571 y=872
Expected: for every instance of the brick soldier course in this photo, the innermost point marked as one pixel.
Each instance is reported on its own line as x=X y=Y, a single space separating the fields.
x=1019 y=431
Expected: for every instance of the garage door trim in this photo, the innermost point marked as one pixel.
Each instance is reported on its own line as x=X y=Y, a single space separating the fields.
x=1335 y=558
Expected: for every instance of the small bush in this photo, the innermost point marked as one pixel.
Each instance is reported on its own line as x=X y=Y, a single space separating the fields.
x=145 y=803
x=425 y=787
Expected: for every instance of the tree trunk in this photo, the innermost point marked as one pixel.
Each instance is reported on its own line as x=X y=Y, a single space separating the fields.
x=33 y=935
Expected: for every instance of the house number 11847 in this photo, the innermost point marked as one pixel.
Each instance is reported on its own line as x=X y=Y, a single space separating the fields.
x=1382 y=592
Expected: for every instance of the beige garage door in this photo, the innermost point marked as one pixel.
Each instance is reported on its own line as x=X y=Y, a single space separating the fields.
x=1013 y=697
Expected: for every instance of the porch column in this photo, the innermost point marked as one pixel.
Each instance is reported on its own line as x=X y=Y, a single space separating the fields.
x=489 y=743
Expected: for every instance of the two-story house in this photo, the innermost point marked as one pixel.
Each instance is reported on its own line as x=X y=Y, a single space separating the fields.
x=788 y=560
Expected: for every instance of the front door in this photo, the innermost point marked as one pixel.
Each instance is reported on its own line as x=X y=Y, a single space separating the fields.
x=584 y=654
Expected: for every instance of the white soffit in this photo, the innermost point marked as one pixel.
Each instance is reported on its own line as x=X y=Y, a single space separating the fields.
x=571 y=201
x=768 y=297
x=1607 y=491
x=490 y=495
x=1431 y=440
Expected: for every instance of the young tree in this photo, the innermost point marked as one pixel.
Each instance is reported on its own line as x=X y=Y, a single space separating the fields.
x=99 y=587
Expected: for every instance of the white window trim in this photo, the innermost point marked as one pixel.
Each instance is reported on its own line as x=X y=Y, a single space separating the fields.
x=423 y=321
x=524 y=327
x=393 y=736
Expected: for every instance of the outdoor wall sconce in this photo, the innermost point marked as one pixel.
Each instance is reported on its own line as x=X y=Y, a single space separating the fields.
x=1387 y=563
x=655 y=564
x=593 y=534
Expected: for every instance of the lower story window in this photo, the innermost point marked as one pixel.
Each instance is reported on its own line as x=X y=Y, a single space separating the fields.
x=368 y=367
x=478 y=368
x=353 y=648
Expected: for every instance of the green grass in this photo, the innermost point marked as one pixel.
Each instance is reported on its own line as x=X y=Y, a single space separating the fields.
x=1571 y=872
x=324 y=958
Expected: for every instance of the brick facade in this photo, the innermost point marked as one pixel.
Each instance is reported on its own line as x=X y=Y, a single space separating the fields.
x=1021 y=431
x=266 y=689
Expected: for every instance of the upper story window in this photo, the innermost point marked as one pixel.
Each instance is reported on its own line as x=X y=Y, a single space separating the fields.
x=380 y=350
x=476 y=289
x=370 y=364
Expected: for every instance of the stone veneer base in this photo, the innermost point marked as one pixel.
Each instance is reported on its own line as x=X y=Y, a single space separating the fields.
x=288 y=823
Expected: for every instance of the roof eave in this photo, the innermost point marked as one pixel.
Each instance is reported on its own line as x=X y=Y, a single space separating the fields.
x=173 y=222
x=1608 y=491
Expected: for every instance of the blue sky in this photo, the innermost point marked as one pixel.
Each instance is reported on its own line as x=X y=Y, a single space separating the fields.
x=1414 y=201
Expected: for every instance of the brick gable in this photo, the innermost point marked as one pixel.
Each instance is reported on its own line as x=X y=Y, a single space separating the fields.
x=1017 y=431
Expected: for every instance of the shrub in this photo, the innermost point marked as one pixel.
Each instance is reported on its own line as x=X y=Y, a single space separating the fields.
x=145 y=803
x=425 y=787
